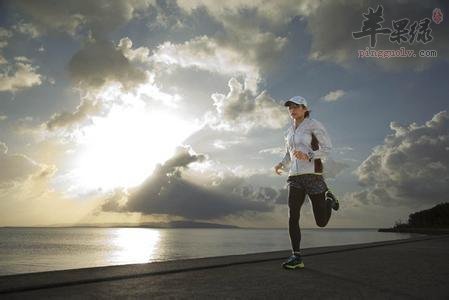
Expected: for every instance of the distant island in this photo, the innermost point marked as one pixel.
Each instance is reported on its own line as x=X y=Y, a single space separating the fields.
x=172 y=224
x=430 y=221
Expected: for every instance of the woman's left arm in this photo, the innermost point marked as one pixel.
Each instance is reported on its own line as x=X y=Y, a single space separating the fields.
x=323 y=139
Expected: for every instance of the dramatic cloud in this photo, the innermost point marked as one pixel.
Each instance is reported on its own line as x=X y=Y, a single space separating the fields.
x=336 y=44
x=410 y=168
x=235 y=47
x=167 y=192
x=334 y=95
x=64 y=119
x=207 y=54
x=72 y=17
x=100 y=62
x=329 y=42
x=239 y=110
x=141 y=65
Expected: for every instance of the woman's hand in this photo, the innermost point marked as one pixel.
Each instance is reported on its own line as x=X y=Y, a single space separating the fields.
x=300 y=155
x=278 y=168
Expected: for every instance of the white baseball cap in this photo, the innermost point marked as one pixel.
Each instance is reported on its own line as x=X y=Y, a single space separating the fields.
x=298 y=100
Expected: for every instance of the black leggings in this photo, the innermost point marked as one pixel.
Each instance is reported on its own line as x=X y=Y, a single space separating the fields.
x=322 y=211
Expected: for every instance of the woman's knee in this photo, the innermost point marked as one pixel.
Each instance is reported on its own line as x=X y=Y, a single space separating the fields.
x=321 y=223
x=293 y=217
x=321 y=218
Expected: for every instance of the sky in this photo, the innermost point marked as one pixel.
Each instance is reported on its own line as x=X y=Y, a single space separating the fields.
x=155 y=111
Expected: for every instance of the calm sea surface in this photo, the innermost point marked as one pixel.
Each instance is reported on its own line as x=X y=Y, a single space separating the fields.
x=25 y=250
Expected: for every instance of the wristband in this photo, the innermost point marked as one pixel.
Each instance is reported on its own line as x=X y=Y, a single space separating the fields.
x=311 y=155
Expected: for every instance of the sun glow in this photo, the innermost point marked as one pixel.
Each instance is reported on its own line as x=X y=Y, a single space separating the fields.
x=135 y=245
x=122 y=149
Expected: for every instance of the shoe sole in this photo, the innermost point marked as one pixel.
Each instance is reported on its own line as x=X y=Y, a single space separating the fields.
x=336 y=206
x=298 y=266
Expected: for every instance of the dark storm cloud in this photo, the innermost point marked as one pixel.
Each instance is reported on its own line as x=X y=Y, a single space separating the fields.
x=167 y=192
x=411 y=168
x=100 y=62
x=336 y=44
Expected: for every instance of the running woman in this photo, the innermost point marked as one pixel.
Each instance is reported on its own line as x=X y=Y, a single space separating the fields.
x=307 y=142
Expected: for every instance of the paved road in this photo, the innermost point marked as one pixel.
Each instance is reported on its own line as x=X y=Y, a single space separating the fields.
x=415 y=268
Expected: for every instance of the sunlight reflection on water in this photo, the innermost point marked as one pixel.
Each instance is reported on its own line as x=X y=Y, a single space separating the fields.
x=134 y=245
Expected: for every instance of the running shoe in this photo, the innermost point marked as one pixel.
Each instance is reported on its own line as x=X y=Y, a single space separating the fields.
x=293 y=262
x=333 y=199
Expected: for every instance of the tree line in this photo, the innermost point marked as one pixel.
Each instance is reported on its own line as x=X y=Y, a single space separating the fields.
x=437 y=216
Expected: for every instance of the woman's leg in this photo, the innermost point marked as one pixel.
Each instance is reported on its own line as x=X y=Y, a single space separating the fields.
x=316 y=188
x=322 y=208
x=296 y=197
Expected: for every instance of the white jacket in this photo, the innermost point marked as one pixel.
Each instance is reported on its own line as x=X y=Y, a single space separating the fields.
x=301 y=139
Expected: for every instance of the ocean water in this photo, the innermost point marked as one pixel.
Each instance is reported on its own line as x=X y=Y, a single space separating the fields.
x=26 y=250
